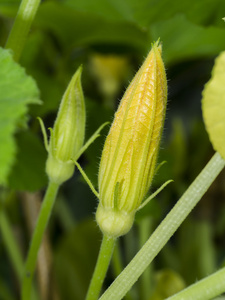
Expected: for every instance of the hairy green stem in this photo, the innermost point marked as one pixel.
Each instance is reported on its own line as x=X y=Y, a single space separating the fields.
x=205 y=289
x=39 y=230
x=101 y=267
x=165 y=230
x=21 y=27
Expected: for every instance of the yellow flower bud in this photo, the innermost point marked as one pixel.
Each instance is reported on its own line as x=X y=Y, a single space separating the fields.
x=67 y=136
x=130 y=152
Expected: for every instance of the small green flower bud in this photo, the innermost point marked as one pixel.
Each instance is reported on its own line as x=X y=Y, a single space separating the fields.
x=130 y=152
x=67 y=136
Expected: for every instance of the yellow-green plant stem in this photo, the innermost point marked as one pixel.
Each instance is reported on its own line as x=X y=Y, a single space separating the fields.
x=44 y=215
x=205 y=289
x=21 y=27
x=101 y=267
x=11 y=245
x=165 y=230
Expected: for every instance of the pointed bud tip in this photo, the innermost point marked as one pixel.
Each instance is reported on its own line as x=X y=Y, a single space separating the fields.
x=77 y=75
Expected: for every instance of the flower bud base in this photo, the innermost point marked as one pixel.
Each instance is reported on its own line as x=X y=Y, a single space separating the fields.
x=59 y=171
x=114 y=223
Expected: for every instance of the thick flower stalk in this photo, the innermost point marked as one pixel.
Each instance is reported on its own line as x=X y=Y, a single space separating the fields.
x=130 y=152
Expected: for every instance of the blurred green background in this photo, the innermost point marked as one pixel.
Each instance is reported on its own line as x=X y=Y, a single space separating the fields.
x=110 y=38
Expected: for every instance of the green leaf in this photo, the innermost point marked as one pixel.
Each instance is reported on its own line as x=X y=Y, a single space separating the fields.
x=145 y=12
x=184 y=40
x=28 y=172
x=16 y=91
x=75 y=28
x=9 y=8
x=106 y=9
x=213 y=105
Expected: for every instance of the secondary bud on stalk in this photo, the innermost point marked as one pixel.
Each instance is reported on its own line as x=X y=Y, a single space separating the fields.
x=130 y=152
x=67 y=136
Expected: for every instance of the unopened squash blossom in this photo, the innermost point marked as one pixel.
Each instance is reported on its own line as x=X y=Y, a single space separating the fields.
x=67 y=135
x=130 y=152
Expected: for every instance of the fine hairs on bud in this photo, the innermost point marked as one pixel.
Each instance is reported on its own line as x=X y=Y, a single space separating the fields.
x=131 y=148
x=67 y=135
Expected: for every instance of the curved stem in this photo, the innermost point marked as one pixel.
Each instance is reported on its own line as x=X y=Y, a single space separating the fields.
x=39 y=230
x=165 y=230
x=205 y=289
x=101 y=267
x=21 y=27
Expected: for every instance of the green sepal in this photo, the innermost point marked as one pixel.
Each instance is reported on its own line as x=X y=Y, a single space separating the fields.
x=43 y=130
x=154 y=194
x=89 y=141
x=81 y=151
x=86 y=178
x=160 y=165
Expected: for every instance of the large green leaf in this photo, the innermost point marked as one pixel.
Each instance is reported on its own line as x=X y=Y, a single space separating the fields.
x=145 y=12
x=183 y=39
x=213 y=105
x=75 y=28
x=142 y=12
x=82 y=24
x=9 y=8
x=16 y=91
